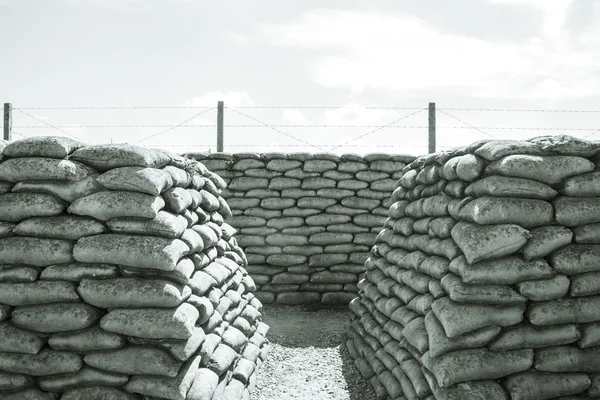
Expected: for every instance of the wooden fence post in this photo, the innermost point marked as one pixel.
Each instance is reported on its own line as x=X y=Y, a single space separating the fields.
x=431 y=128
x=8 y=121
x=220 y=108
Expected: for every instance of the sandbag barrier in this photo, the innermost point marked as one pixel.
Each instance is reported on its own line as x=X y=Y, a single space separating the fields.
x=485 y=281
x=306 y=221
x=120 y=279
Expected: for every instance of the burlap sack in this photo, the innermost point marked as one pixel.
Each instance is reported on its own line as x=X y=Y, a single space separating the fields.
x=151 y=181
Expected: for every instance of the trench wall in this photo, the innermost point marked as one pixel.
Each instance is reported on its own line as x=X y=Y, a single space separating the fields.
x=306 y=221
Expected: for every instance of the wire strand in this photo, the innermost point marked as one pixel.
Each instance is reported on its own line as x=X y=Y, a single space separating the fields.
x=519 y=110
x=175 y=126
x=466 y=123
x=50 y=125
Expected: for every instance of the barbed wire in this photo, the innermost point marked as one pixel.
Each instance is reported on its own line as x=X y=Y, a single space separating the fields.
x=466 y=123
x=175 y=126
x=280 y=145
x=275 y=129
x=517 y=110
x=50 y=125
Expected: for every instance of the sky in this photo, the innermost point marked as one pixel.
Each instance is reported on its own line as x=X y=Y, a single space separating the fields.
x=360 y=73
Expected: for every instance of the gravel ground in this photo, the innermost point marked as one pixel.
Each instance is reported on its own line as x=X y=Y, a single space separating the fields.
x=308 y=358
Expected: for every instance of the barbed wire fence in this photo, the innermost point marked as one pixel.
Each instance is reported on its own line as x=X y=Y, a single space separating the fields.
x=430 y=132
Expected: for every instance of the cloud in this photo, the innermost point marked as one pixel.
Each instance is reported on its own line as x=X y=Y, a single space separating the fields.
x=384 y=51
x=230 y=99
x=293 y=116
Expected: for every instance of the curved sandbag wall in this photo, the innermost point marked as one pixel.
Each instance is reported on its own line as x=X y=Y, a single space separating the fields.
x=119 y=277
x=485 y=281
x=306 y=221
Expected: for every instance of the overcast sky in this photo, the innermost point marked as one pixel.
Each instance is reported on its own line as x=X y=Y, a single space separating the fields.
x=350 y=54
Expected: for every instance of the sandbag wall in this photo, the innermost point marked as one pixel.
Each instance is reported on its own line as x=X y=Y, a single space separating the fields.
x=119 y=277
x=306 y=221
x=485 y=281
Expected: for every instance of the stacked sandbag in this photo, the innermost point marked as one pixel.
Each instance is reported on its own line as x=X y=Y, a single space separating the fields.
x=306 y=221
x=120 y=279
x=485 y=281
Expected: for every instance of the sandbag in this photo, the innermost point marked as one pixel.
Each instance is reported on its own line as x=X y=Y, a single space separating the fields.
x=16 y=207
x=541 y=385
x=589 y=233
x=75 y=272
x=108 y=156
x=15 y=340
x=567 y=359
x=85 y=377
x=458 y=319
x=46 y=362
x=545 y=240
x=55 y=317
x=416 y=334
x=97 y=392
x=579 y=310
x=65 y=190
x=485 y=242
x=6 y=229
x=566 y=145
x=527 y=213
x=585 y=284
x=90 y=339
x=506 y=186
x=18 y=273
x=501 y=271
x=574 y=211
x=40 y=292
x=204 y=385
x=576 y=259
x=180 y=177
x=134 y=251
x=475 y=390
x=177 y=199
x=69 y=227
x=527 y=336
x=42 y=146
x=469 y=167
x=546 y=169
x=109 y=205
x=134 y=360
x=496 y=149
x=165 y=224
x=35 y=251
x=151 y=181
x=132 y=292
x=440 y=343
x=590 y=335
x=479 y=294
x=476 y=364
x=152 y=323
x=43 y=169
x=586 y=185
x=556 y=287
x=14 y=381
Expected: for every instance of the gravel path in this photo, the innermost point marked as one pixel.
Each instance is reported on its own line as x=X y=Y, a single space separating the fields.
x=308 y=357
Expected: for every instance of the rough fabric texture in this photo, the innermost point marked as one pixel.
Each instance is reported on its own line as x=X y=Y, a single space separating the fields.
x=513 y=312
x=307 y=221
x=108 y=291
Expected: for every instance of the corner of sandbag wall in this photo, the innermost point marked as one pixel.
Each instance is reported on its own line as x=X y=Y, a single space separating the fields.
x=306 y=221
x=119 y=277
x=485 y=281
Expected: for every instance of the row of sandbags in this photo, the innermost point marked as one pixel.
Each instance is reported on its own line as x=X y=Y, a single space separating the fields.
x=119 y=277
x=485 y=281
x=306 y=221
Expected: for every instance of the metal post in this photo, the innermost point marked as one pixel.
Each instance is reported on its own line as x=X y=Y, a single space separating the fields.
x=431 y=128
x=220 y=127
x=7 y=121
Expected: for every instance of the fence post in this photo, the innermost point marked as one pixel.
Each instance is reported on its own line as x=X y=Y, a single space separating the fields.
x=8 y=121
x=431 y=128
x=220 y=127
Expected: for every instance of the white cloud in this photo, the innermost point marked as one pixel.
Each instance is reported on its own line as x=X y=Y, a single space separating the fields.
x=230 y=99
x=360 y=50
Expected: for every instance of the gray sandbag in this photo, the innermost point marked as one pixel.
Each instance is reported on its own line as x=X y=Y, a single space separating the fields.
x=475 y=390
x=97 y=392
x=222 y=359
x=542 y=385
x=479 y=294
x=181 y=274
x=16 y=207
x=6 y=229
x=585 y=284
x=134 y=360
x=590 y=335
x=469 y=167
x=589 y=233
x=42 y=146
x=485 y=242
x=90 y=339
x=129 y=250
x=458 y=319
x=579 y=310
x=15 y=340
x=43 y=169
x=440 y=343
x=506 y=186
x=69 y=227
x=476 y=365
x=40 y=292
x=553 y=288
x=132 y=292
x=496 y=149
x=574 y=211
x=177 y=199
x=576 y=259
x=567 y=359
x=14 y=381
x=527 y=213
x=501 y=271
x=65 y=190
x=46 y=362
x=566 y=145
x=18 y=273
x=75 y=272
x=546 y=169
x=179 y=176
x=416 y=334
x=441 y=227
x=527 y=336
x=31 y=394
x=55 y=317
x=152 y=323
x=108 y=156
x=181 y=350
x=204 y=385
x=586 y=185
x=115 y=204
x=545 y=240
x=175 y=388
x=165 y=224
x=86 y=376
x=245 y=368
x=151 y=181
x=4 y=312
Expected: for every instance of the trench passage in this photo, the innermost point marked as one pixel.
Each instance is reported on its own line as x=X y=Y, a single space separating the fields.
x=308 y=358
